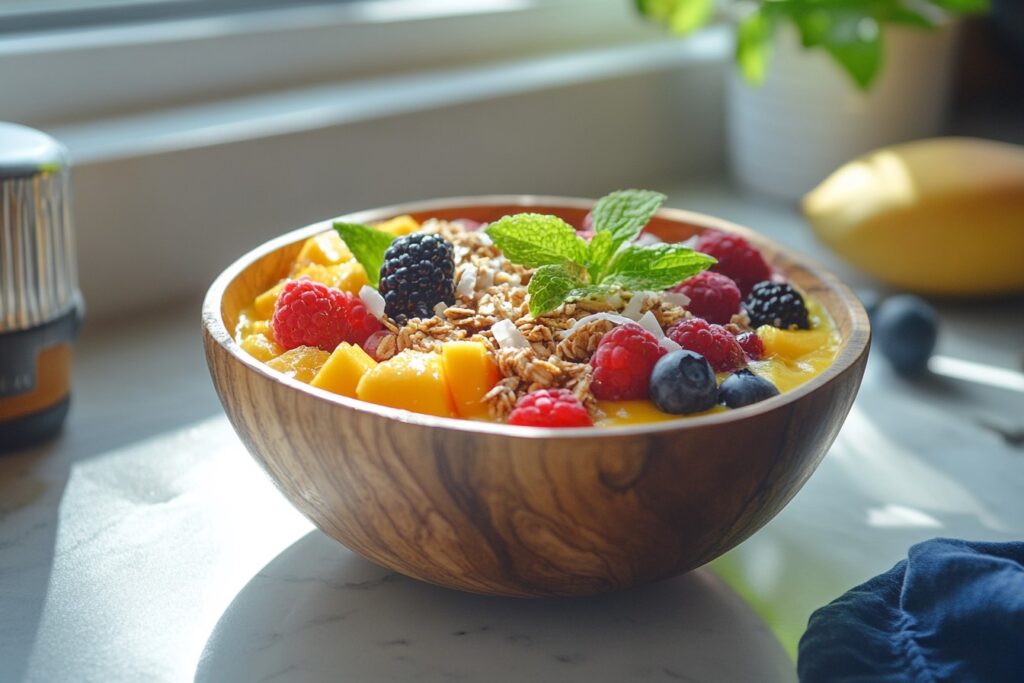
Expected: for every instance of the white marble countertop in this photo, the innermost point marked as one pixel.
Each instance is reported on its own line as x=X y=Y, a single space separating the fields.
x=144 y=544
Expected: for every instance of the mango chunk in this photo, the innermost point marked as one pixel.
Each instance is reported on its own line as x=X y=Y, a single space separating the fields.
x=471 y=373
x=791 y=344
x=264 y=304
x=399 y=225
x=325 y=249
x=412 y=380
x=302 y=362
x=348 y=277
x=261 y=346
x=343 y=370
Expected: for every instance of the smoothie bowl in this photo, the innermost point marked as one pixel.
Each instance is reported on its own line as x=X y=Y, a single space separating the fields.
x=534 y=396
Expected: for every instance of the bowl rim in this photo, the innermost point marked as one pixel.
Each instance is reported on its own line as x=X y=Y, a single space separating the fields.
x=850 y=351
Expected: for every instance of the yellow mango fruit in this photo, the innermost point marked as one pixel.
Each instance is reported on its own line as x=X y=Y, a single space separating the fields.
x=412 y=380
x=261 y=346
x=264 y=304
x=791 y=344
x=941 y=216
x=471 y=373
x=343 y=370
x=348 y=277
x=399 y=225
x=302 y=362
x=325 y=249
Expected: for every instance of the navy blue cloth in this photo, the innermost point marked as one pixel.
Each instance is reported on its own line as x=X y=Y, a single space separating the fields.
x=953 y=611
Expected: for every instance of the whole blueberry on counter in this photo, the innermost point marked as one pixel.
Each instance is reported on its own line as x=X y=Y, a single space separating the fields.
x=683 y=382
x=906 y=329
x=743 y=387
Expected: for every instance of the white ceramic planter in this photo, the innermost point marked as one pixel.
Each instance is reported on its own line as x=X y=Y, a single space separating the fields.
x=808 y=117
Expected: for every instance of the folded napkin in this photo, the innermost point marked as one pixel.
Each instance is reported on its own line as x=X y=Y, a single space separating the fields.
x=953 y=611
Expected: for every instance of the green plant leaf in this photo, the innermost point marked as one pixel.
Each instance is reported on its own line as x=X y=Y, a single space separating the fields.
x=367 y=245
x=551 y=284
x=965 y=6
x=625 y=213
x=690 y=15
x=861 y=54
x=533 y=240
x=655 y=267
x=754 y=46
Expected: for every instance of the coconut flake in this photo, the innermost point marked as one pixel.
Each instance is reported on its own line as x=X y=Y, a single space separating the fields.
x=676 y=298
x=651 y=324
x=467 y=281
x=603 y=315
x=691 y=242
x=373 y=301
x=440 y=308
x=648 y=238
x=508 y=335
x=636 y=302
x=485 y=239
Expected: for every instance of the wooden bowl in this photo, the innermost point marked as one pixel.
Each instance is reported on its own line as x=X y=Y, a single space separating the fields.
x=503 y=510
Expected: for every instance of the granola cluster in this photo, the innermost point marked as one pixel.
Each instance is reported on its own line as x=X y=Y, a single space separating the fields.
x=490 y=289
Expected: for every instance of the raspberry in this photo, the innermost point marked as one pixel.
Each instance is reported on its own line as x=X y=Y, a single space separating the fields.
x=736 y=258
x=417 y=274
x=623 y=362
x=550 y=408
x=308 y=313
x=777 y=304
x=751 y=345
x=714 y=342
x=713 y=296
x=361 y=323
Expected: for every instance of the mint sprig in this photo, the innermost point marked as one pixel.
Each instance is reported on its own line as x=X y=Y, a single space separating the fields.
x=568 y=267
x=367 y=245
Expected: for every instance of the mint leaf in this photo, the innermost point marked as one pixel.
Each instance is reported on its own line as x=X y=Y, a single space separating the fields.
x=625 y=213
x=602 y=248
x=591 y=292
x=533 y=240
x=367 y=246
x=550 y=286
x=655 y=267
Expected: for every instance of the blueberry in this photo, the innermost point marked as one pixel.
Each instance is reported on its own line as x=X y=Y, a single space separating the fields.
x=743 y=387
x=905 y=331
x=683 y=382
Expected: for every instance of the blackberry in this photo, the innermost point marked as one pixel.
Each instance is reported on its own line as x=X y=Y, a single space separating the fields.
x=417 y=274
x=777 y=304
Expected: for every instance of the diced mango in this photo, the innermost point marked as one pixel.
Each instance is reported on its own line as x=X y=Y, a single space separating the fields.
x=348 y=277
x=325 y=249
x=471 y=373
x=412 y=380
x=264 y=304
x=399 y=225
x=791 y=344
x=302 y=362
x=261 y=346
x=343 y=370
x=618 y=413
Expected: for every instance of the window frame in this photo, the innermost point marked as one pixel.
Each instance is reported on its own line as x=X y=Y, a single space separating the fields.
x=99 y=72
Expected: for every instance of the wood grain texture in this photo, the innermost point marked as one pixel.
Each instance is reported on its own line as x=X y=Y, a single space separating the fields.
x=506 y=511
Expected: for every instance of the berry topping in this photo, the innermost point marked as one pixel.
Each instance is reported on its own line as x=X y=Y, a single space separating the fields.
x=751 y=345
x=743 y=388
x=308 y=313
x=418 y=273
x=683 y=382
x=361 y=323
x=622 y=363
x=713 y=296
x=906 y=330
x=714 y=342
x=550 y=408
x=777 y=304
x=736 y=258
